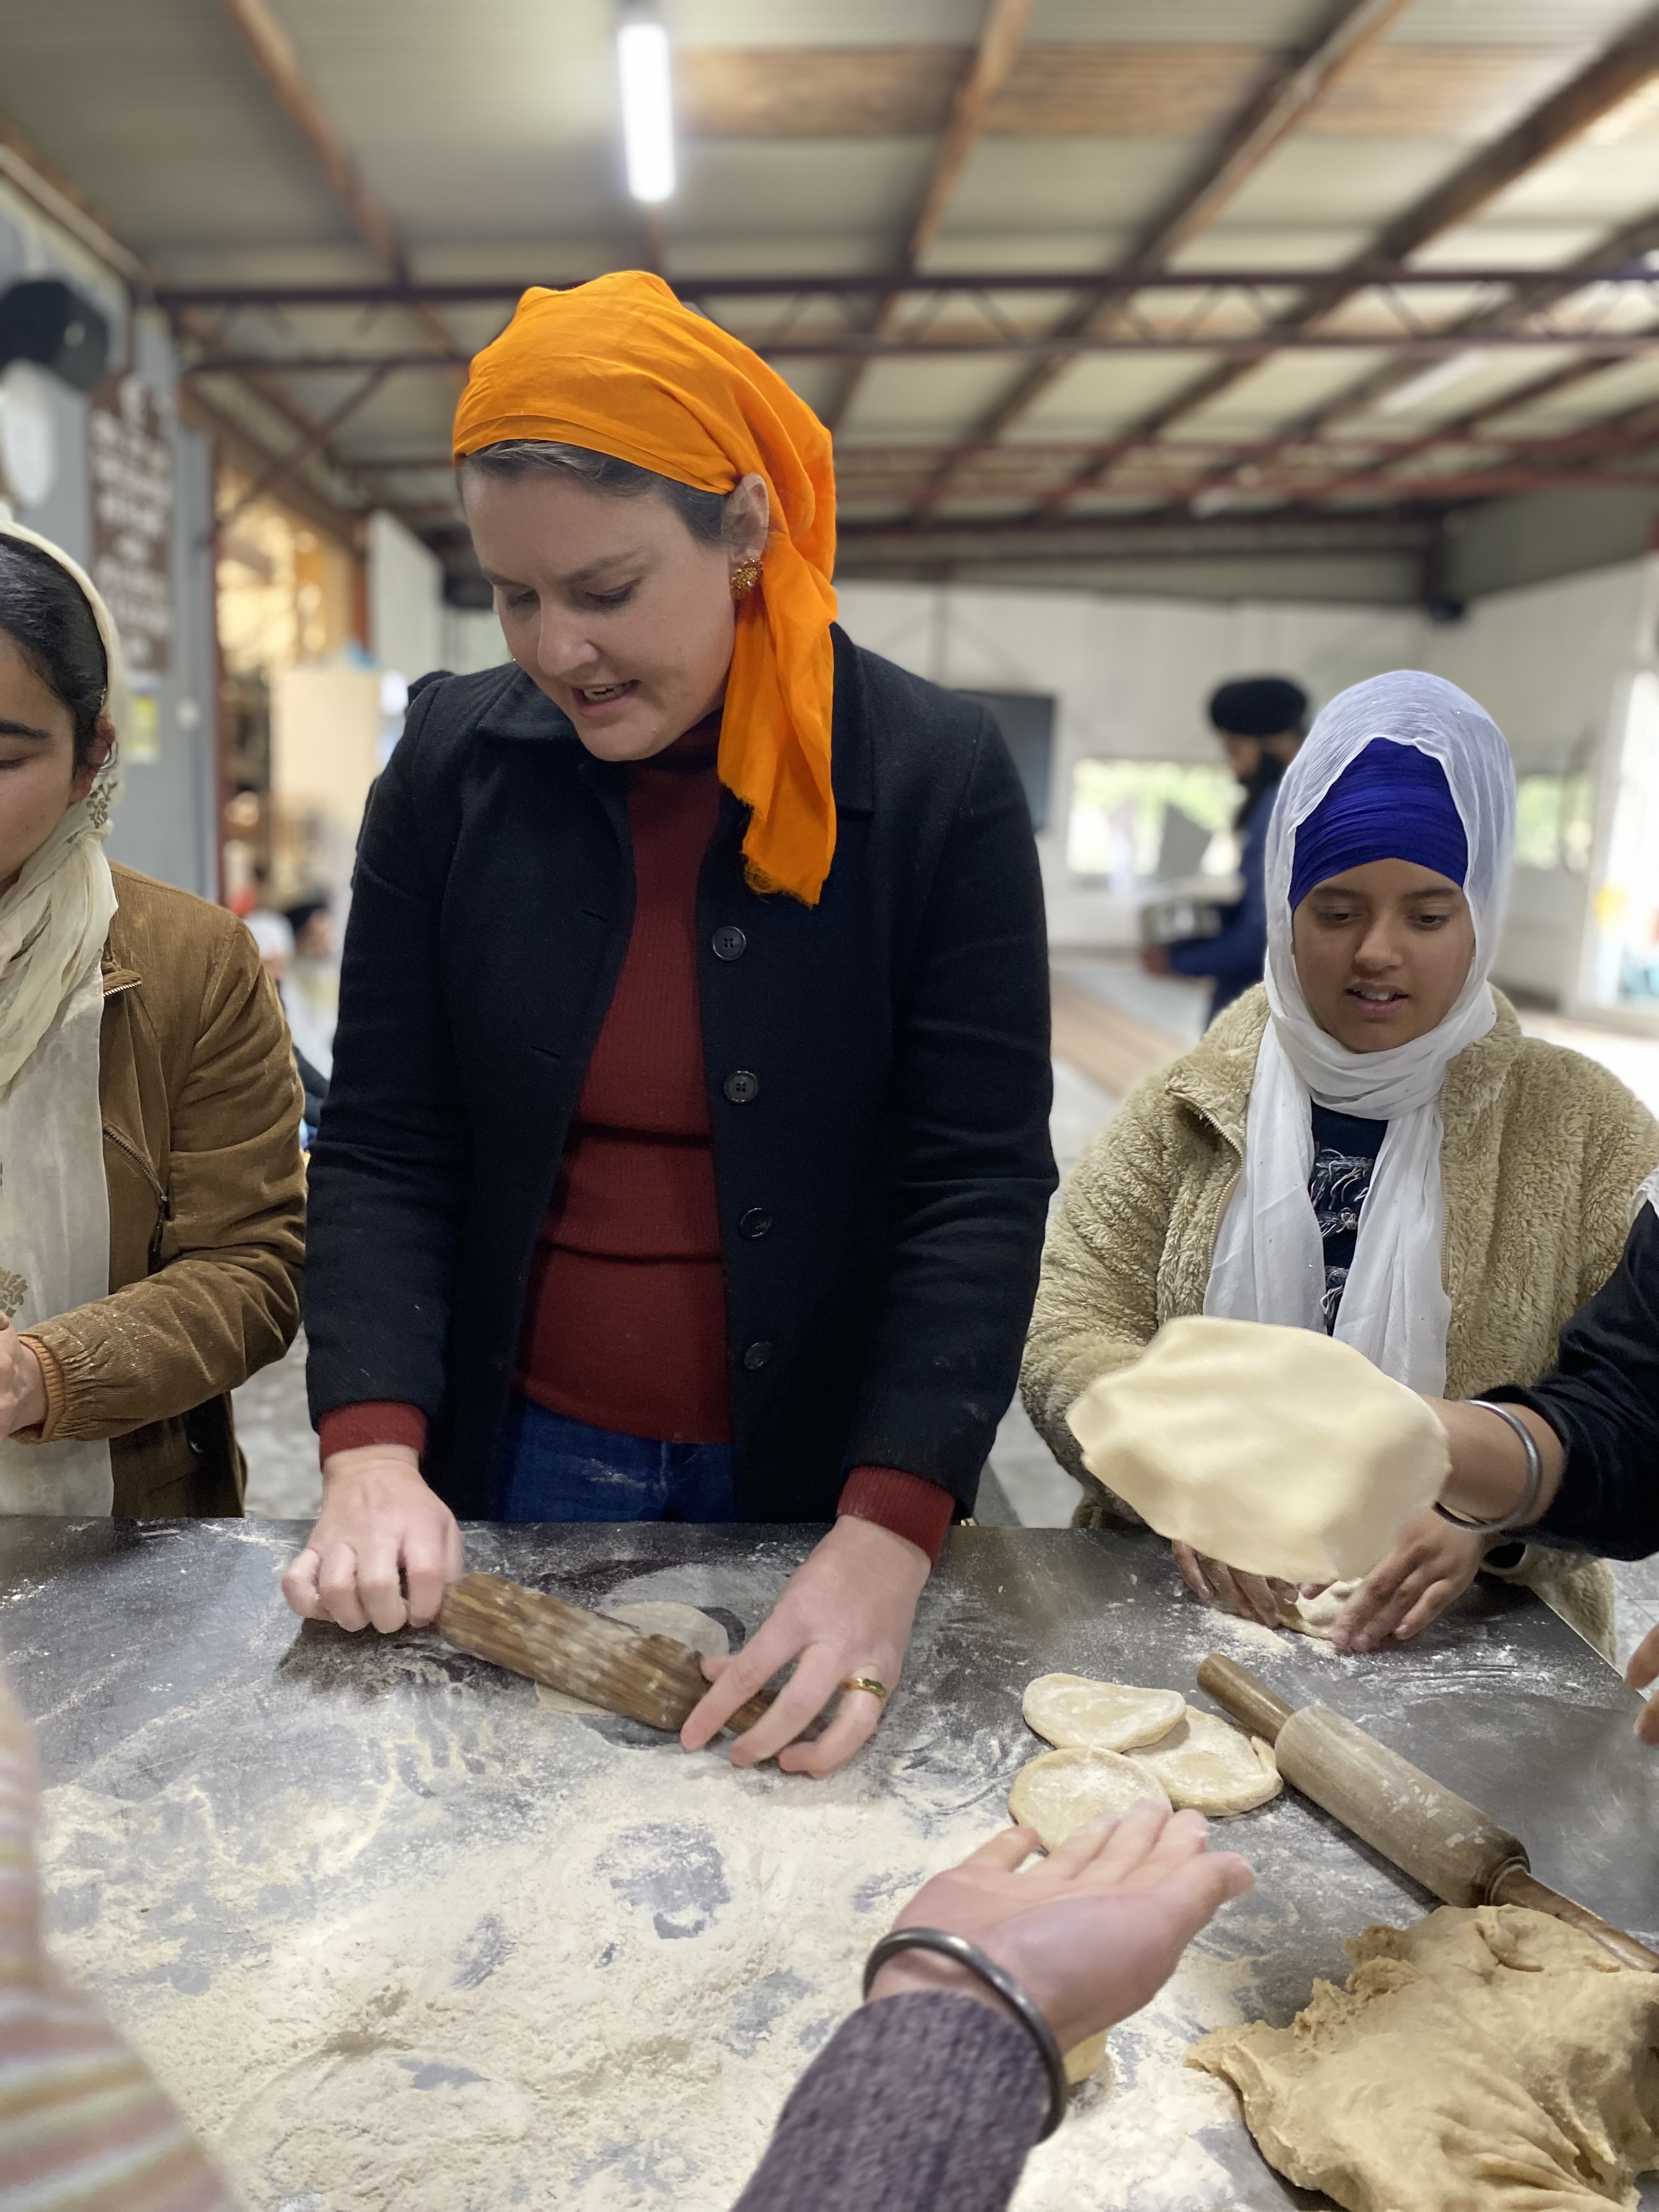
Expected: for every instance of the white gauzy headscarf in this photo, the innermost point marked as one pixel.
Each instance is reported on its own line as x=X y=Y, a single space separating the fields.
x=54 y=1200
x=1268 y=1263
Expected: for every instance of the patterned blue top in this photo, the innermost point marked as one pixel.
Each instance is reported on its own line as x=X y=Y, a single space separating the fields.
x=1345 y=1160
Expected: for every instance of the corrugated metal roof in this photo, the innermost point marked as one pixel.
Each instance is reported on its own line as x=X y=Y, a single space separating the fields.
x=811 y=131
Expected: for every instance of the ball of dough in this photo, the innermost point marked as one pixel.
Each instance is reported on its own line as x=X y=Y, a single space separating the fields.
x=1316 y=1616
x=1275 y=1450
x=1070 y=1709
x=1061 y=1791
x=1210 y=1767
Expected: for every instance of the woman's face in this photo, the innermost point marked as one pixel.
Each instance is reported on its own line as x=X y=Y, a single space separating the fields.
x=38 y=780
x=1382 y=952
x=611 y=605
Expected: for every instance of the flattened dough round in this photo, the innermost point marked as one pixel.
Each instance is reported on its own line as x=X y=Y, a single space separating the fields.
x=1277 y=1451
x=652 y=1616
x=1210 y=1767
x=1074 y=1709
x=1061 y=1791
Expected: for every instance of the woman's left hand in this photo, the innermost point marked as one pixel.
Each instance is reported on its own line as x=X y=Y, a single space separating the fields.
x=1434 y=1562
x=1229 y=1590
x=846 y=1610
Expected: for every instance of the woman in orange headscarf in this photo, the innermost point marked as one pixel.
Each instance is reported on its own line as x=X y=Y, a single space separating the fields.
x=686 y=1156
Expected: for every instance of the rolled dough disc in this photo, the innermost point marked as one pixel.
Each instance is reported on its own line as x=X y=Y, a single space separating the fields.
x=1071 y=1710
x=652 y=1616
x=1276 y=1450
x=1061 y=1791
x=1210 y=1767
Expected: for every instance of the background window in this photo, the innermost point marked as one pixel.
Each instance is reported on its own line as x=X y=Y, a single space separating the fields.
x=1554 y=822
x=1141 y=821
x=1026 y=720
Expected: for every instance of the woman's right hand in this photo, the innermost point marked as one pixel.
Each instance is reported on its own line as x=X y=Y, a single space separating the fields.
x=384 y=1548
x=1091 y=1933
x=1229 y=1590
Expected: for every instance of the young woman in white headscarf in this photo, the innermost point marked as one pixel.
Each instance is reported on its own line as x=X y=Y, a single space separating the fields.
x=151 y=1191
x=1366 y=1144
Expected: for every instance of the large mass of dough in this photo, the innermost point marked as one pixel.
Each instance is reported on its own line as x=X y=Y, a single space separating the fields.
x=1492 y=2058
x=1276 y=1450
x=1061 y=1791
x=1208 y=1765
x=1074 y=1709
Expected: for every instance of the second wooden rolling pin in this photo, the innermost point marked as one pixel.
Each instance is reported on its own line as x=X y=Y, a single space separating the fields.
x=654 y=1679
x=1424 y=1829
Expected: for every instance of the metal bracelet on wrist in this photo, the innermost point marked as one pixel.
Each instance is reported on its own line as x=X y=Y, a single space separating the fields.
x=1520 y=1514
x=1024 y=2007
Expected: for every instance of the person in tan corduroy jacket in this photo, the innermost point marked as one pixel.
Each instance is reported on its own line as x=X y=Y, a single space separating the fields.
x=1543 y=1153
x=201 y=1118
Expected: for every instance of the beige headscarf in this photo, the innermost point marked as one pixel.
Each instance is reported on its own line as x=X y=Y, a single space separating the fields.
x=54 y=1201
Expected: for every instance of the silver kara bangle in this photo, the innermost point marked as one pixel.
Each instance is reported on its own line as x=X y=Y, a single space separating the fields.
x=1521 y=1513
x=1024 y=2007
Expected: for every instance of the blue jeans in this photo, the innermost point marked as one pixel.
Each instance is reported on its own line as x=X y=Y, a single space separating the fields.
x=547 y=1468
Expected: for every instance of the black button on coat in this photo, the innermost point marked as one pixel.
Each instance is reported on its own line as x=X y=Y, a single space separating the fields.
x=896 y=1035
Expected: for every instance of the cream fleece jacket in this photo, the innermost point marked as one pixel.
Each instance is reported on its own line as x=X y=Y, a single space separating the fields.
x=1543 y=1153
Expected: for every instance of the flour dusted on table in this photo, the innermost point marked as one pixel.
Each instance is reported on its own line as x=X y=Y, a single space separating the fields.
x=610 y=2015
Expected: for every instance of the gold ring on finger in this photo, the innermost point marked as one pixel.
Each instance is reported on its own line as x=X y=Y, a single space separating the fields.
x=867 y=1682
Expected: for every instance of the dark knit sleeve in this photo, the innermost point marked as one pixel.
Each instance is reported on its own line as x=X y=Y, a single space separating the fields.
x=1602 y=1398
x=917 y=2104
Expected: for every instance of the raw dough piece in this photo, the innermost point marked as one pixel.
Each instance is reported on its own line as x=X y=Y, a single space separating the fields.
x=1070 y=1709
x=1061 y=1791
x=1210 y=1767
x=1272 y=1450
x=1316 y=1616
x=1084 y=2058
x=1493 y=2058
x=652 y=1616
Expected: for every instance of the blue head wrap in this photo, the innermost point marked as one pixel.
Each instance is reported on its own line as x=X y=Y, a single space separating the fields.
x=1392 y=802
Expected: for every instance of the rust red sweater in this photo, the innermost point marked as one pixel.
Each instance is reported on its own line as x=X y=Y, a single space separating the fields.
x=624 y=1328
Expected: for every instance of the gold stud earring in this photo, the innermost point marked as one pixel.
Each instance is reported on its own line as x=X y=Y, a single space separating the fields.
x=745 y=577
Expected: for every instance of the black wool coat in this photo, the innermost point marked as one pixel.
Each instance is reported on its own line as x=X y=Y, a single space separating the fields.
x=877 y=1069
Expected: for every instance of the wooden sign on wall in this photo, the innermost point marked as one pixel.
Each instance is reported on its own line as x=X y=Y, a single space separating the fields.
x=129 y=461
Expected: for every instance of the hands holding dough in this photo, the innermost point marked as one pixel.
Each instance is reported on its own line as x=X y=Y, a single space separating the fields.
x=1284 y=1453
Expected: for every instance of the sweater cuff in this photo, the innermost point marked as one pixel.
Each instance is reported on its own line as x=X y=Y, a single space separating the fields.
x=378 y=1421
x=51 y=1374
x=907 y=1504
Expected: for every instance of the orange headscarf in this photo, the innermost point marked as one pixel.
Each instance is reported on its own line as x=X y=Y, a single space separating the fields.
x=620 y=367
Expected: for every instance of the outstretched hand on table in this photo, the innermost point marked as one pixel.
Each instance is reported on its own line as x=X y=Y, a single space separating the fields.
x=846 y=1611
x=383 y=1548
x=1091 y=1933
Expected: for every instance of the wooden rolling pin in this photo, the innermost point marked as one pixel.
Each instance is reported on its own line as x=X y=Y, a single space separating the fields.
x=1422 y=1827
x=653 y=1679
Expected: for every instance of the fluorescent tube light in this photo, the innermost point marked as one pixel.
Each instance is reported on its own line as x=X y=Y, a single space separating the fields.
x=1438 y=378
x=648 y=106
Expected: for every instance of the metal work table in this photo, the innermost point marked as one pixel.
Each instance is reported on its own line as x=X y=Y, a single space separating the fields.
x=186 y=1719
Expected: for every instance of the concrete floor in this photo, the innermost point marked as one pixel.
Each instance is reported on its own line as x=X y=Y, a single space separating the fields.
x=1025 y=1485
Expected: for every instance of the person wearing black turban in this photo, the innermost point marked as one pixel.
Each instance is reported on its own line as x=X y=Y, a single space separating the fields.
x=1261 y=721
